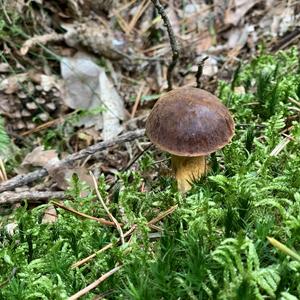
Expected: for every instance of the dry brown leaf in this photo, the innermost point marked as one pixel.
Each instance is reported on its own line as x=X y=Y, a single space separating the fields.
x=173 y=17
x=40 y=157
x=50 y=215
x=204 y=43
x=237 y=10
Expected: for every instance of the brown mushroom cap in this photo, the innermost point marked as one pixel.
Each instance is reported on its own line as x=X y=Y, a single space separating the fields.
x=189 y=122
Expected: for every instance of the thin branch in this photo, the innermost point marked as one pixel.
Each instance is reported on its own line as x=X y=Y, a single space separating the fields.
x=173 y=42
x=107 y=210
x=78 y=213
x=200 y=72
x=31 y=196
x=38 y=174
x=94 y=284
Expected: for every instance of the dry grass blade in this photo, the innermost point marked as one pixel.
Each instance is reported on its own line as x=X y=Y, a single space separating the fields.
x=94 y=284
x=128 y=233
x=280 y=146
x=43 y=126
x=3 y=176
x=72 y=210
x=284 y=248
x=142 y=7
x=107 y=210
x=163 y=215
x=122 y=23
x=137 y=100
x=108 y=246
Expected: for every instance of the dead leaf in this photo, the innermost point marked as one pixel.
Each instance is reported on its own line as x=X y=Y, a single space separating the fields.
x=173 y=17
x=237 y=10
x=114 y=108
x=87 y=88
x=40 y=158
x=11 y=228
x=204 y=43
x=63 y=176
x=50 y=215
x=237 y=37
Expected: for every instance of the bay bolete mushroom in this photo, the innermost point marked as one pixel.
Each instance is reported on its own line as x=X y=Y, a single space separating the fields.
x=189 y=123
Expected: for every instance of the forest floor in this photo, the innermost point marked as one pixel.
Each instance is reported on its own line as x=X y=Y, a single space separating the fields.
x=88 y=206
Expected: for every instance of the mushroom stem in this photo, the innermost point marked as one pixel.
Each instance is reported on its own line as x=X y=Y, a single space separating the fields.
x=187 y=170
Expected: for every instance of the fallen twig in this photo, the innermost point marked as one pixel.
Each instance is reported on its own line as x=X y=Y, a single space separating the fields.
x=126 y=234
x=38 y=174
x=117 y=224
x=78 y=213
x=173 y=42
x=31 y=196
x=95 y=283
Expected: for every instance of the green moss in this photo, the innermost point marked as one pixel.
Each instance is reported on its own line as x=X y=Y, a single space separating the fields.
x=214 y=246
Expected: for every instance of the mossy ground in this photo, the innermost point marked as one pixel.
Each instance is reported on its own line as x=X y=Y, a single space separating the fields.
x=214 y=246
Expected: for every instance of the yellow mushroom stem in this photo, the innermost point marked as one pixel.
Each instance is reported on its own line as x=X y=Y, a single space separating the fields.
x=187 y=170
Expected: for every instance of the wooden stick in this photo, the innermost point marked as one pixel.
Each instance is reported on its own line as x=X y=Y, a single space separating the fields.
x=38 y=174
x=173 y=42
x=32 y=196
x=94 y=284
